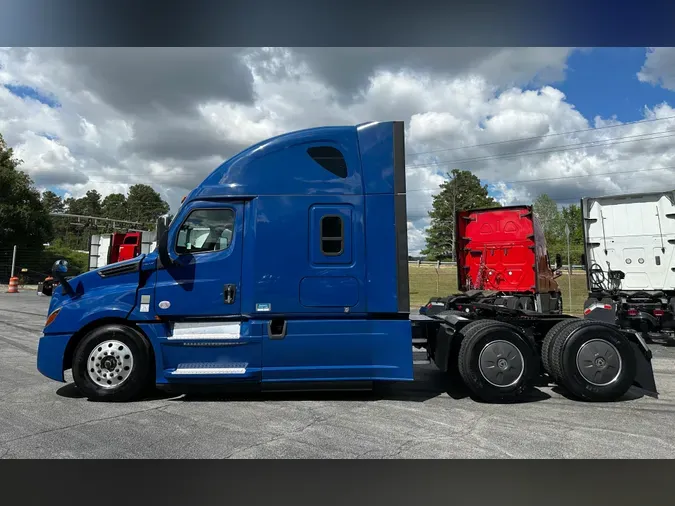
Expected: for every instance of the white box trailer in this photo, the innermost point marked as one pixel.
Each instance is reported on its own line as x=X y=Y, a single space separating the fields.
x=101 y=247
x=629 y=248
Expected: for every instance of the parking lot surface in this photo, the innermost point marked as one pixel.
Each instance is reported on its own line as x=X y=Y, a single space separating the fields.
x=40 y=418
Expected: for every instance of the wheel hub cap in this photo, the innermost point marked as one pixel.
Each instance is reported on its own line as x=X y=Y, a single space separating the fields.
x=501 y=364
x=599 y=362
x=110 y=364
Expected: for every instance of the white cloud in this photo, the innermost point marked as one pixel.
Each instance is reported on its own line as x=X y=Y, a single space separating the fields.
x=110 y=132
x=659 y=67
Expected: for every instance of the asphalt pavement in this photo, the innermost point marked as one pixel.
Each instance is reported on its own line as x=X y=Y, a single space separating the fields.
x=40 y=418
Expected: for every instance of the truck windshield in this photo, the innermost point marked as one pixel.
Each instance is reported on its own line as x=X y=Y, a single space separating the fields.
x=205 y=230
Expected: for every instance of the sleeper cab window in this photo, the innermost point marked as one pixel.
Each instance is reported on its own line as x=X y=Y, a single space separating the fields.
x=332 y=235
x=205 y=230
x=330 y=159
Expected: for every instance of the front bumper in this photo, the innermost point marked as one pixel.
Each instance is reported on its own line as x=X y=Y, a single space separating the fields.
x=50 y=355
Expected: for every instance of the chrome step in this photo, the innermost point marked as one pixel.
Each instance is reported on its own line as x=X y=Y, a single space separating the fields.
x=209 y=368
x=205 y=332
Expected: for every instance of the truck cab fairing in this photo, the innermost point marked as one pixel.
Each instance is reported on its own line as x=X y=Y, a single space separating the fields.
x=293 y=294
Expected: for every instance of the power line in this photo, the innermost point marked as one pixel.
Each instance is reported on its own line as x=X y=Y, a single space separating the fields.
x=522 y=139
x=414 y=216
x=564 y=147
x=95 y=218
x=564 y=177
x=549 y=150
x=413 y=213
x=545 y=151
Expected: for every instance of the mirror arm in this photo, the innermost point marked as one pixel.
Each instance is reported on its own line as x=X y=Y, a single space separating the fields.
x=59 y=269
x=163 y=251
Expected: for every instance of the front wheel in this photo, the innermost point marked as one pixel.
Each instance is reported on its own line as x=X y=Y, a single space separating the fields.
x=112 y=363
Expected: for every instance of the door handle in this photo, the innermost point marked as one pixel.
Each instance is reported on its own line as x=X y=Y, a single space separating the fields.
x=229 y=293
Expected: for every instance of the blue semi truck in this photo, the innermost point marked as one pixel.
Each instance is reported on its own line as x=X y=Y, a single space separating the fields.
x=288 y=265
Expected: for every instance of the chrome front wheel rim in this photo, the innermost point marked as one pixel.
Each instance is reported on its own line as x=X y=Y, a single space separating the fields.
x=110 y=364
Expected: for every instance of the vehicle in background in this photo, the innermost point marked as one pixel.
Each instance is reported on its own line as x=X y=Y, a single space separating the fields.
x=302 y=279
x=502 y=259
x=629 y=254
x=106 y=249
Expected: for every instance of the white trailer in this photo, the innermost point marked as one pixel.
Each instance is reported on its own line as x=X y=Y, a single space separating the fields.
x=629 y=245
x=100 y=248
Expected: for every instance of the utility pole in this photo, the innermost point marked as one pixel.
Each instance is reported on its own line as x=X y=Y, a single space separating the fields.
x=13 y=261
x=569 y=264
x=453 y=182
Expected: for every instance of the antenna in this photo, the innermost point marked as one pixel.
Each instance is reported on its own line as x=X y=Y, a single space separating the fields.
x=604 y=237
x=658 y=216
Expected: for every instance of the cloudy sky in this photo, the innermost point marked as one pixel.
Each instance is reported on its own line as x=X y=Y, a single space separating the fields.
x=85 y=118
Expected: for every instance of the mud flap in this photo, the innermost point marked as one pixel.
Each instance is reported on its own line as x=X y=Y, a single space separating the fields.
x=644 y=373
x=603 y=311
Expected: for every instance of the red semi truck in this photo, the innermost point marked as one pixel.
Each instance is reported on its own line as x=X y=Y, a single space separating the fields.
x=106 y=249
x=502 y=259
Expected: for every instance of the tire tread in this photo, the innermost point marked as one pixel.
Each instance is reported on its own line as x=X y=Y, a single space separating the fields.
x=546 y=346
x=470 y=334
x=141 y=379
x=558 y=362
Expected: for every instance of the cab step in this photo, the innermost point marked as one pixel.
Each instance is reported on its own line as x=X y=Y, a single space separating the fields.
x=205 y=332
x=200 y=369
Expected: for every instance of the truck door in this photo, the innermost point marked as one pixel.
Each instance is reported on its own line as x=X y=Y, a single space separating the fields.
x=204 y=279
x=200 y=293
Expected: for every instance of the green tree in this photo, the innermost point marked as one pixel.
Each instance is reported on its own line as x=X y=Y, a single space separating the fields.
x=462 y=191
x=546 y=210
x=91 y=203
x=75 y=206
x=145 y=205
x=554 y=221
x=24 y=220
x=115 y=206
x=571 y=215
x=52 y=202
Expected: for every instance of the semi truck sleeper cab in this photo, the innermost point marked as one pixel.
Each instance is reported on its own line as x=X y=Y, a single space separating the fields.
x=288 y=264
x=502 y=259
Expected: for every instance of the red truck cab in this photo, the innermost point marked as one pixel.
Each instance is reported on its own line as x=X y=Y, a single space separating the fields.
x=502 y=258
x=130 y=247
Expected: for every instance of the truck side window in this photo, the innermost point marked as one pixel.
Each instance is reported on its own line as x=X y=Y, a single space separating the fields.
x=332 y=235
x=330 y=159
x=205 y=230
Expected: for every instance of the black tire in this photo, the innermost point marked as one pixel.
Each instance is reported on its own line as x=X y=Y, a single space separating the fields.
x=565 y=365
x=139 y=377
x=546 y=346
x=476 y=338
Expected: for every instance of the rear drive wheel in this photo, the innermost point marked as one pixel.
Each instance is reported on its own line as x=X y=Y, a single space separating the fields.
x=546 y=346
x=593 y=360
x=495 y=361
x=112 y=363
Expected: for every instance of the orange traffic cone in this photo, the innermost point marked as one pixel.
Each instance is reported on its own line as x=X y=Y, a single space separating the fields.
x=13 y=285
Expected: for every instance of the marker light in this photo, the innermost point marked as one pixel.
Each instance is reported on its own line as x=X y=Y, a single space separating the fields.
x=52 y=317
